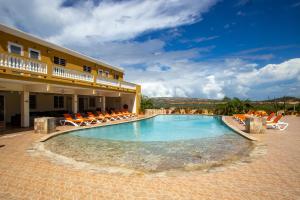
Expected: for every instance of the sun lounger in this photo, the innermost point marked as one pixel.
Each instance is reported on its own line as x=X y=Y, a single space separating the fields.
x=270 y=117
x=279 y=125
x=115 y=116
x=107 y=116
x=130 y=114
x=276 y=124
x=88 y=120
x=99 y=118
x=69 y=120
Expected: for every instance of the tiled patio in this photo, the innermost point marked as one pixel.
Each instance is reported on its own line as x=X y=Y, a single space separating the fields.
x=275 y=175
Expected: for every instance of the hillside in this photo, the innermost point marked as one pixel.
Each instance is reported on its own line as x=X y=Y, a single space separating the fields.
x=202 y=102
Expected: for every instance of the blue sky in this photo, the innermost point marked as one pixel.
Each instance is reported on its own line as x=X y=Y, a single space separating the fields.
x=191 y=48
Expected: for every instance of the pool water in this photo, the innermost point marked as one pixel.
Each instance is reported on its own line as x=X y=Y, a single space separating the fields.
x=161 y=128
x=161 y=143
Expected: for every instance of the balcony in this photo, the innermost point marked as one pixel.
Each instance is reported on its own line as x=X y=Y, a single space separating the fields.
x=128 y=85
x=72 y=74
x=23 y=64
x=115 y=83
x=107 y=81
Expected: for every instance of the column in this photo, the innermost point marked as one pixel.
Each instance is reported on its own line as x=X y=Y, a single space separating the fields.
x=75 y=103
x=134 y=106
x=103 y=104
x=25 y=109
x=137 y=100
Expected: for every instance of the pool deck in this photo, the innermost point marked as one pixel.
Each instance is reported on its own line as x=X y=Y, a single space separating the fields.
x=273 y=175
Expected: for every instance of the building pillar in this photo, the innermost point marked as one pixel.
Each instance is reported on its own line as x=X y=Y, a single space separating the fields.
x=25 y=118
x=134 y=106
x=75 y=103
x=137 y=100
x=104 y=104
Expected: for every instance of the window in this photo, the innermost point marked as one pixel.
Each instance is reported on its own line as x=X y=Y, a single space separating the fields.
x=116 y=76
x=32 y=101
x=100 y=72
x=58 y=102
x=34 y=54
x=59 y=61
x=87 y=69
x=15 y=48
x=106 y=73
x=92 y=102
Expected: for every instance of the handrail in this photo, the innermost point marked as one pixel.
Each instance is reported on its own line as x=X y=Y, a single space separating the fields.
x=107 y=81
x=72 y=74
x=128 y=85
x=20 y=63
x=115 y=83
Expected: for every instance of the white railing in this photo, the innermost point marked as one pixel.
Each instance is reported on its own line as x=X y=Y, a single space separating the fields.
x=72 y=74
x=15 y=62
x=107 y=81
x=128 y=85
x=112 y=82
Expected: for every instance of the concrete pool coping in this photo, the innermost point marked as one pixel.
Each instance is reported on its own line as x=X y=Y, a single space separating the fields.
x=237 y=130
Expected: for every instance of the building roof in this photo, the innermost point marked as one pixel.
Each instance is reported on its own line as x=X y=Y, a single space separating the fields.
x=40 y=41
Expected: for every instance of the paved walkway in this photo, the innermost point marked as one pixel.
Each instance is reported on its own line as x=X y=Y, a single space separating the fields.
x=275 y=175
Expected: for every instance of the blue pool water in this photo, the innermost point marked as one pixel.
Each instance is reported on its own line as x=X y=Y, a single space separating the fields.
x=161 y=128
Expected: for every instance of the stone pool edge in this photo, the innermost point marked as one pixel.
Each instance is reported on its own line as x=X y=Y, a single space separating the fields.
x=237 y=130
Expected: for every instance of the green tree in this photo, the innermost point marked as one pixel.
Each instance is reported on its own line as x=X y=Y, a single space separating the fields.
x=233 y=106
x=146 y=103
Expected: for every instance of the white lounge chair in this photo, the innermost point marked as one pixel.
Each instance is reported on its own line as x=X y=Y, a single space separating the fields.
x=279 y=125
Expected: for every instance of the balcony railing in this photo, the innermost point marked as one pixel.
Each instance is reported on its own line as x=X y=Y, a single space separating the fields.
x=128 y=85
x=72 y=74
x=15 y=62
x=115 y=83
x=107 y=81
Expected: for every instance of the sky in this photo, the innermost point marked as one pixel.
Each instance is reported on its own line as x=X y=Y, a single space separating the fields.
x=178 y=48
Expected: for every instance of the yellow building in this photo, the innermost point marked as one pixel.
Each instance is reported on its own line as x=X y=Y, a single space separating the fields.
x=39 y=78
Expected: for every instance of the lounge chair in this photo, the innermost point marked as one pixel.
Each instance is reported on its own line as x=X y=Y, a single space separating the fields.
x=126 y=115
x=275 y=120
x=88 y=120
x=270 y=117
x=99 y=118
x=69 y=119
x=276 y=124
x=107 y=116
x=115 y=116
x=131 y=114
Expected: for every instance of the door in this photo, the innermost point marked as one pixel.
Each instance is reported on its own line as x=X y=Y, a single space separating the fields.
x=69 y=104
x=81 y=104
x=2 y=112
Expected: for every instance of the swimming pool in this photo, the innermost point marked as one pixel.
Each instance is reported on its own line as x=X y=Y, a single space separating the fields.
x=161 y=143
x=160 y=128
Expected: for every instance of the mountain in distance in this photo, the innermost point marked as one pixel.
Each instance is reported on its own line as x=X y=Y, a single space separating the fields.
x=187 y=100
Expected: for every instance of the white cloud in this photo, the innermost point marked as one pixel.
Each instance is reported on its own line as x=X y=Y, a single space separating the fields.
x=107 y=21
x=272 y=73
x=202 y=39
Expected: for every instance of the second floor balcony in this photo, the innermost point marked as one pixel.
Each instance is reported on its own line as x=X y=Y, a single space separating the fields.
x=72 y=74
x=22 y=64
x=27 y=65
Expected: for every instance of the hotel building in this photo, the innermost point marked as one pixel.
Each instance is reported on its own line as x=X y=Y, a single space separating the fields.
x=39 y=78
